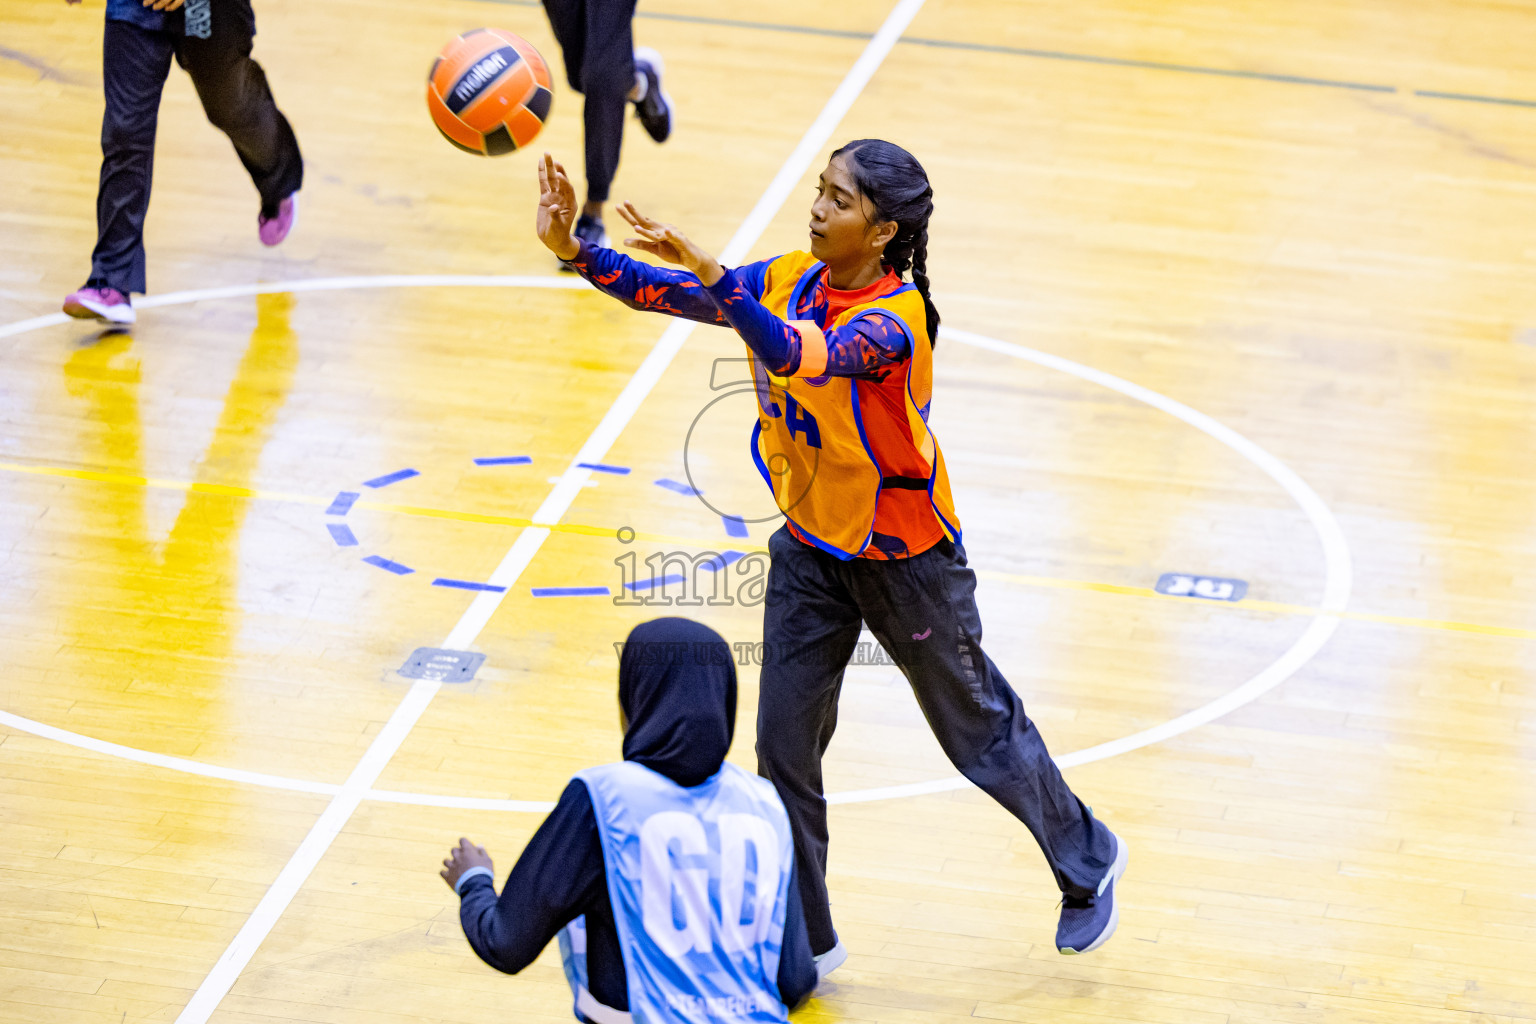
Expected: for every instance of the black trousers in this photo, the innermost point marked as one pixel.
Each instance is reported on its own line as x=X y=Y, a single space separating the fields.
x=233 y=90
x=923 y=612
x=597 y=42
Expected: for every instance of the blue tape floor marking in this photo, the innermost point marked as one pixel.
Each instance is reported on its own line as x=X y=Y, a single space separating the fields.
x=391 y=478
x=652 y=581
x=388 y=566
x=344 y=536
x=468 y=585
x=734 y=526
x=724 y=559
x=343 y=503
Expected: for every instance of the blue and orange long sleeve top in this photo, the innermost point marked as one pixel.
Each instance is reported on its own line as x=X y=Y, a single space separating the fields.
x=871 y=348
x=863 y=348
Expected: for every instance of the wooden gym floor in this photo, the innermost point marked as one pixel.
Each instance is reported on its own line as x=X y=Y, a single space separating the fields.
x=1303 y=228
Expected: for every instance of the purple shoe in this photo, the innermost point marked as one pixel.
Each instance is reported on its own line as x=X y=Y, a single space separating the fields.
x=274 y=229
x=107 y=304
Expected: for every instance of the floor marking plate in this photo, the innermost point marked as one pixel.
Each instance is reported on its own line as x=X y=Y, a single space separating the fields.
x=1208 y=588
x=441 y=665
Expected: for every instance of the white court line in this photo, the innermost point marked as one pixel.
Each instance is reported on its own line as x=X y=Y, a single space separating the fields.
x=317 y=284
x=1337 y=575
x=277 y=898
x=177 y=764
x=1338 y=572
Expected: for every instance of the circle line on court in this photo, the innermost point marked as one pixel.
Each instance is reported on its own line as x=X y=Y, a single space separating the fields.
x=1338 y=567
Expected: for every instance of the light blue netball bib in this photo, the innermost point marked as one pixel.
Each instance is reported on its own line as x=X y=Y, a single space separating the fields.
x=699 y=880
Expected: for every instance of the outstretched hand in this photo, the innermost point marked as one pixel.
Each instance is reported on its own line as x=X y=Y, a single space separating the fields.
x=668 y=243
x=557 y=209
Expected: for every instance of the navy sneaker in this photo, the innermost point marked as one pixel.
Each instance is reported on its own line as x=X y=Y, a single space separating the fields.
x=589 y=230
x=1087 y=923
x=654 y=108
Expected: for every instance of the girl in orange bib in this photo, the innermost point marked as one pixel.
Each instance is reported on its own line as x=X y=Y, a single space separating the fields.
x=841 y=348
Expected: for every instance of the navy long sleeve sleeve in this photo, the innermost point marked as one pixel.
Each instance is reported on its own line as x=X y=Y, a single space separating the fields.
x=559 y=877
x=644 y=286
x=862 y=346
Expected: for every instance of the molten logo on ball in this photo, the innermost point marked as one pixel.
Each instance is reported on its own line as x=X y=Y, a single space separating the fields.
x=489 y=92
x=479 y=76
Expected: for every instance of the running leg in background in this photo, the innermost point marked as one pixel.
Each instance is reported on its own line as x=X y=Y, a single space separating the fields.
x=135 y=62
x=235 y=95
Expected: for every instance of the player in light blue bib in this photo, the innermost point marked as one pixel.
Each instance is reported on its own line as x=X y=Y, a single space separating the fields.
x=668 y=876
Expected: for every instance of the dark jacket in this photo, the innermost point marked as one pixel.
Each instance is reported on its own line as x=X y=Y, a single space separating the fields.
x=677 y=692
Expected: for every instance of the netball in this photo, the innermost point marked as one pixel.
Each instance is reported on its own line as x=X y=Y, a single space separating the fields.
x=489 y=92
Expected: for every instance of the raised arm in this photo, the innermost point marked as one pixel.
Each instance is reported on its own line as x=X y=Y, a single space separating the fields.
x=641 y=285
x=636 y=284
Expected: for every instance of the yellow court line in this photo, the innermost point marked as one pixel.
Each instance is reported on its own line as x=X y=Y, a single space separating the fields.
x=130 y=480
x=581 y=529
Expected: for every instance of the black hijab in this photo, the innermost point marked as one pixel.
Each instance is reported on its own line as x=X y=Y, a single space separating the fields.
x=677 y=689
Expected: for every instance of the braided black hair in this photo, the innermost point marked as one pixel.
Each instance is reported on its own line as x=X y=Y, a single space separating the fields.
x=892 y=179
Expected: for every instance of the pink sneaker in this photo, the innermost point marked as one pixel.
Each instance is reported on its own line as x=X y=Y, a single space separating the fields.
x=274 y=229
x=107 y=304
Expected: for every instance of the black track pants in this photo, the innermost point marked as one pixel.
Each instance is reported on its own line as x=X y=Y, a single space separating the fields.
x=598 y=44
x=233 y=90
x=923 y=612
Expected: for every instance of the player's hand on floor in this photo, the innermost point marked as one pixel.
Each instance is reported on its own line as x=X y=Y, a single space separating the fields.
x=557 y=209
x=668 y=243
x=461 y=858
